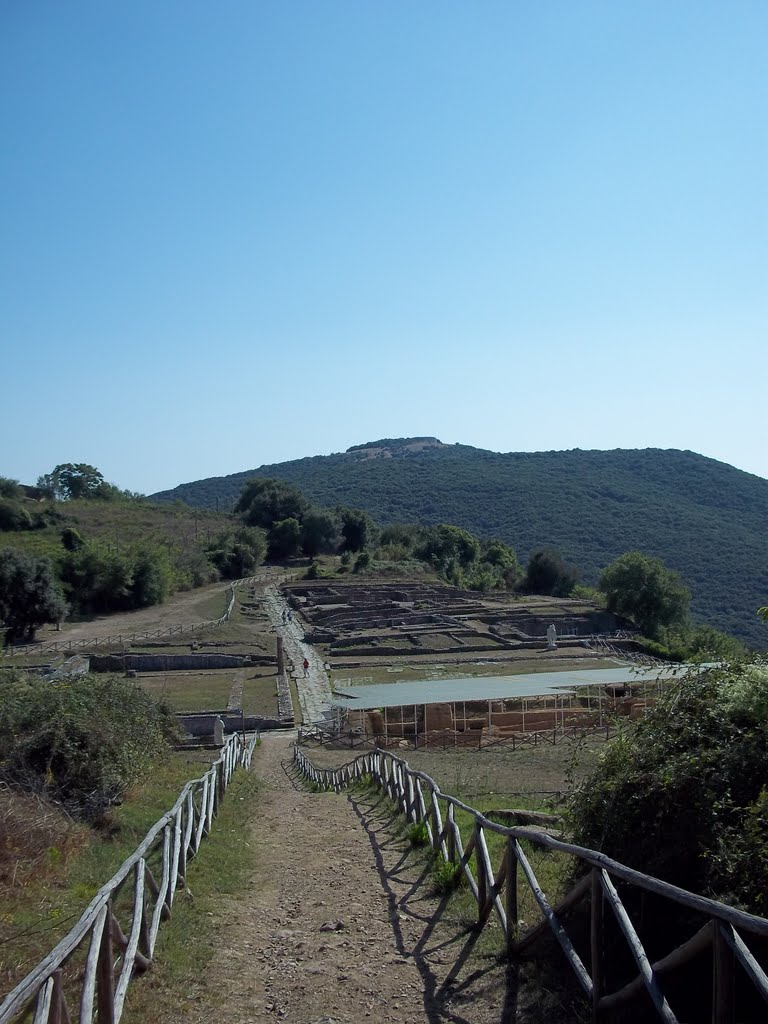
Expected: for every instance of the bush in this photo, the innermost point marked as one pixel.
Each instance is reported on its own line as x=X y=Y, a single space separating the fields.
x=79 y=741
x=362 y=561
x=683 y=795
x=417 y=835
x=447 y=877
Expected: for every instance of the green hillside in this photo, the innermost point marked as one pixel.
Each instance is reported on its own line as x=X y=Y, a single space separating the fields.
x=703 y=518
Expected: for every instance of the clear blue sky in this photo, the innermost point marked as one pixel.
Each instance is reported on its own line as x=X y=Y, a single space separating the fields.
x=241 y=232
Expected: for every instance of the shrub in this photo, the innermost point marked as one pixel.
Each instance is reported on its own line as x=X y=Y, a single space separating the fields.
x=417 y=834
x=80 y=741
x=447 y=877
x=362 y=561
x=684 y=794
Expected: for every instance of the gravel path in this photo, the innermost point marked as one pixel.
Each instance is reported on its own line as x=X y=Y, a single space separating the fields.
x=334 y=929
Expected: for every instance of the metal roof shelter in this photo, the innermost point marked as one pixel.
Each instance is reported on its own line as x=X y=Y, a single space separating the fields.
x=469 y=688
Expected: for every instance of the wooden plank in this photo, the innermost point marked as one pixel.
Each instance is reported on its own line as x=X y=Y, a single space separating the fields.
x=680 y=955
x=492 y=900
x=91 y=964
x=556 y=927
x=638 y=952
x=126 y=973
x=745 y=958
x=482 y=878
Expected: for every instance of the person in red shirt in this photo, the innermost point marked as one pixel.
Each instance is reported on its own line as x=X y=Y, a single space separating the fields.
x=306 y=666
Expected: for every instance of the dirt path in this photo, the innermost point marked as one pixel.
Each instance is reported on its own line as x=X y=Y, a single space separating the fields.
x=334 y=928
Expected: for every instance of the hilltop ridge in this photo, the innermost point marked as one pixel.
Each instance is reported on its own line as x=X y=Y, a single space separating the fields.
x=704 y=518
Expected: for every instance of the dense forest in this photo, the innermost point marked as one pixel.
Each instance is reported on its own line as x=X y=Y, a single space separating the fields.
x=701 y=517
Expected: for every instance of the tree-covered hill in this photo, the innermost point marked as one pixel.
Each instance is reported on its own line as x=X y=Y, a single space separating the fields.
x=703 y=518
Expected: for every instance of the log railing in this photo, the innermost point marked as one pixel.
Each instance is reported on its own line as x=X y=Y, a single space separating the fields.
x=115 y=938
x=119 y=639
x=719 y=931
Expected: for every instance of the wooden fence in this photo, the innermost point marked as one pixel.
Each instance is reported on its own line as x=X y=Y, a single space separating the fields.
x=716 y=928
x=115 y=938
x=143 y=634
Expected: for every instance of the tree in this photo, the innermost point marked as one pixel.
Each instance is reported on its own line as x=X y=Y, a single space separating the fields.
x=29 y=594
x=446 y=546
x=641 y=588
x=357 y=528
x=547 y=573
x=10 y=488
x=69 y=481
x=236 y=553
x=264 y=502
x=285 y=539
x=319 y=533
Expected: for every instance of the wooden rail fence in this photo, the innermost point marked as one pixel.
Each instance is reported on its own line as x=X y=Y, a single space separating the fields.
x=142 y=634
x=718 y=930
x=115 y=938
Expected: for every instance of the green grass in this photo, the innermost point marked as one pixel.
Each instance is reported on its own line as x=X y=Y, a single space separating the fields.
x=172 y=990
x=190 y=691
x=260 y=696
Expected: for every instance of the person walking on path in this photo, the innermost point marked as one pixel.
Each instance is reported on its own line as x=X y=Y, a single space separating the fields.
x=306 y=668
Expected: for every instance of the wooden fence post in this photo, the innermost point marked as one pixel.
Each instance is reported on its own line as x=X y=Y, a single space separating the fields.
x=596 y=943
x=723 y=1006
x=105 y=975
x=510 y=900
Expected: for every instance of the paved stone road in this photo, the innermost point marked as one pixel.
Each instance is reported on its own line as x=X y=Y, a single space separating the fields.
x=314 y=689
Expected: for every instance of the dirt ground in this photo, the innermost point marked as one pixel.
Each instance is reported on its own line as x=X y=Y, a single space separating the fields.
x=335 y=928
x=191 y=606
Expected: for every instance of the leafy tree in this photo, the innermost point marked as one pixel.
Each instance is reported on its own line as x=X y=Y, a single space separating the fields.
x=236 y=553
x=400 y=534
x=444 y=546
x=264 y=502
x=10 y=489
x=153 y=576
x=641 y=588
x=496 y=552
x=71 y=480
x=357 y=528
x=29 y=594
x=319 y=533
x=98 y=580
x=284 y=539
x=547 y=573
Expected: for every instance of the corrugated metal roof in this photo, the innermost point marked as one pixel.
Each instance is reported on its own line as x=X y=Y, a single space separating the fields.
x=442 y=691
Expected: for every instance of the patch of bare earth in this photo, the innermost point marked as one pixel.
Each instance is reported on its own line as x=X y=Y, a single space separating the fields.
x=335 y=926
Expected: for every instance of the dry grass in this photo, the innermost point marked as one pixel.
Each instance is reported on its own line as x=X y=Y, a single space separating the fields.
x=51 y=867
